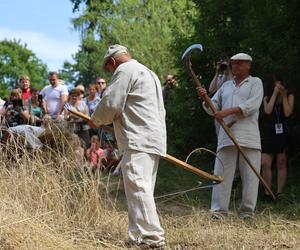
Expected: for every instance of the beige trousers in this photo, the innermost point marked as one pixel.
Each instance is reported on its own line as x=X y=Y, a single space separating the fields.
x=221 y=192
x=139 y=174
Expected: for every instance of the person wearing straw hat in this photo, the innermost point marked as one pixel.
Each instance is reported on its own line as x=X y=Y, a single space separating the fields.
x=81 y=88
x=237 y=103
x=133 y=102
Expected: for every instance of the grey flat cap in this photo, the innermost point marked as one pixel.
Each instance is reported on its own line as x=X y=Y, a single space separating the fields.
x=112 y=51
x=241 y=57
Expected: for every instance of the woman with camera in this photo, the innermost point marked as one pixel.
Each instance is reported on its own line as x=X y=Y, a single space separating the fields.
x=14 y=111
x=278 y=106
x=79 y=126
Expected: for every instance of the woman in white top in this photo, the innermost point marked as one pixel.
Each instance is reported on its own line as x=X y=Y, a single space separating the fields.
x=79 y=126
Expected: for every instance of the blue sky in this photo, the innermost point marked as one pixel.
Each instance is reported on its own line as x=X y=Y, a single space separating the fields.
x=44 y=25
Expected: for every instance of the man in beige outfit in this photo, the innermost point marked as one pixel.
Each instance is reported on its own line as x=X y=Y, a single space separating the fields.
x=133 y=103
x=237 y=102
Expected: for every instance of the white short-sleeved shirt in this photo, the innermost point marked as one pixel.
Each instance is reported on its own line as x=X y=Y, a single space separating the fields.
x=53 y=96
x=2 y=102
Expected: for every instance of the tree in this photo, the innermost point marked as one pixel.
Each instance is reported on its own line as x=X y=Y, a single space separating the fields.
x=17 y=60
x=158 y=31
x=147 y=28
x=267 y=30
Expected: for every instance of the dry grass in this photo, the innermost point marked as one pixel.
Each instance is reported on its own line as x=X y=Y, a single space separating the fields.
x=48 y=203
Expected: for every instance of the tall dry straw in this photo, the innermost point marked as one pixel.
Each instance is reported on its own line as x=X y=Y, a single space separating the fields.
x=49 y=201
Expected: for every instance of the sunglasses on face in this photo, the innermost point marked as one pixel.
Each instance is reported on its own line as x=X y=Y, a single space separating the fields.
x=101 y=82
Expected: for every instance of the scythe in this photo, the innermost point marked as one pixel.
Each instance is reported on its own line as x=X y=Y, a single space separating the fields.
x=175 y=161
x=186 y=58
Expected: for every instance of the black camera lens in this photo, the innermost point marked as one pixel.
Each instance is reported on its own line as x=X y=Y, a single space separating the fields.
x=223 y=66
x=40 y=98
x=17 y=103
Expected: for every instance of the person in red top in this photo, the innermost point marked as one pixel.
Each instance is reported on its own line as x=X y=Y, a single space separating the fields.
x=95 y=154
x=24 y=83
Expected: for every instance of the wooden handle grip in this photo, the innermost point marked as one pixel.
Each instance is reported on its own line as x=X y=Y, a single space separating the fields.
x=169 y=158
x=88 y=119
x=192 y=169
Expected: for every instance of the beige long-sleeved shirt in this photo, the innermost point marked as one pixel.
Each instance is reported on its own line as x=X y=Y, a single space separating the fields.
x=248 y=97
x=133 y=103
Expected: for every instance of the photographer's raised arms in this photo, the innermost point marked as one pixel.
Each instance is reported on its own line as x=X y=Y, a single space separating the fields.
x=223 y=74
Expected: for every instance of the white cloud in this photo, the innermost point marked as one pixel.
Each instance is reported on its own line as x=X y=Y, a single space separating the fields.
x=50 y=50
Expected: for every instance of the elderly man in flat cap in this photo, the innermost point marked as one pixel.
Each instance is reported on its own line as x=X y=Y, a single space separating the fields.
x=133 y=102
x=237 y=102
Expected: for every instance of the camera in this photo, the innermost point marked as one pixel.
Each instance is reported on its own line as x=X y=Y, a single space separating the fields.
x=40 y=98
x=223 y=65
x=17 y=103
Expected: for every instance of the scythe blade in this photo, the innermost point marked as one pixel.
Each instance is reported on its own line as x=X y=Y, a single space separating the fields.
x=188 y=51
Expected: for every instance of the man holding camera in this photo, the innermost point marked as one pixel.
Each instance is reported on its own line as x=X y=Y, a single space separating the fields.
x=223 y=74
x=168 y=88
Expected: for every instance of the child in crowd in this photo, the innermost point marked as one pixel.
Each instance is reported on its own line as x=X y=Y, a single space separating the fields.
x=112 y=156
x=37 y=107
x=95 y=154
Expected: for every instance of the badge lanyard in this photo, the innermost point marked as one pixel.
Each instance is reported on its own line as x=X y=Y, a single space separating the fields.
x=278 y=124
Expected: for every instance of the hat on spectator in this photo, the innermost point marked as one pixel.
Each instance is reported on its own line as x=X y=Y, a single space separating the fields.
x=80 y=87
x=114 y=50
x=241 y=57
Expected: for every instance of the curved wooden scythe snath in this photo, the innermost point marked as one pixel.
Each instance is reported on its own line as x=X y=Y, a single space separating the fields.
x=175 y=161
x=208 y=102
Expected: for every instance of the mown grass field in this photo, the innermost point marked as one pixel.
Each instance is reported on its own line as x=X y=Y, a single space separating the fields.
x=48 y=203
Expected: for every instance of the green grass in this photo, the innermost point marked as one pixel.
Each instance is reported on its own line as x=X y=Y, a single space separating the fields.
x=171 y=179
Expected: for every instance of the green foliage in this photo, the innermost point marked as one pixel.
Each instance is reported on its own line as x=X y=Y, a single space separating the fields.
x=17 y=60
x=158 y=31
x=267 y=30
x=147 y=28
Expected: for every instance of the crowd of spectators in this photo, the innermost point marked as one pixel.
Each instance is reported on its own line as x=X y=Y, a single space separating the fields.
x=28 y=106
